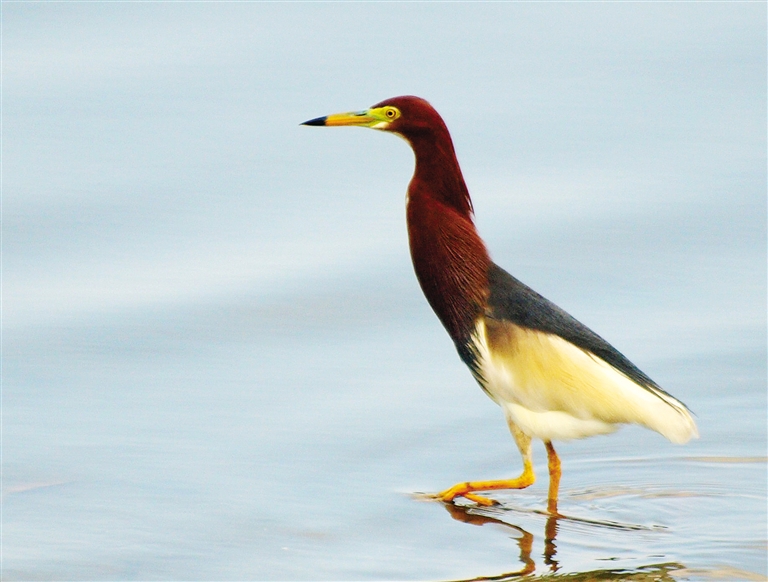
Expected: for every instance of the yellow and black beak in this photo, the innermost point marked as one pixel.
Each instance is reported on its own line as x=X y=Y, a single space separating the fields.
x=352 y=118
x=376 y=118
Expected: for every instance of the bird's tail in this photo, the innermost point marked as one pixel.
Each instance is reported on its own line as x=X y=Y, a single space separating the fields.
x=668 y=416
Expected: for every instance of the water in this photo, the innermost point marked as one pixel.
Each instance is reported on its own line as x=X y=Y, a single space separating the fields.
x=217 y=361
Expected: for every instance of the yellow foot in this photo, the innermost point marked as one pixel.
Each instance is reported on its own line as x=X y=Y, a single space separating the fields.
x=480 y=500
x=467 y=489
x=463 y=490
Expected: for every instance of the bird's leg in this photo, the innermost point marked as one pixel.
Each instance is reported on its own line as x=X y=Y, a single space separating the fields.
x=468 y=488
x=553 y=462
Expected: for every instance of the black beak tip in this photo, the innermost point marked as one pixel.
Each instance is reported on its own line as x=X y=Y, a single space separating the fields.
x=316 y=121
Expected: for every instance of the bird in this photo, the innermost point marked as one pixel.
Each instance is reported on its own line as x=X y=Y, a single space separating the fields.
x=553 y=377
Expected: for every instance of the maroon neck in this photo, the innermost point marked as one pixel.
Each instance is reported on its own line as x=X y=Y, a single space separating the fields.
x=450 y=259
x=437 y=167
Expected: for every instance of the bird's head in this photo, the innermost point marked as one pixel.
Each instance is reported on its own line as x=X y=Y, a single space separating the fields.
x=406 y=115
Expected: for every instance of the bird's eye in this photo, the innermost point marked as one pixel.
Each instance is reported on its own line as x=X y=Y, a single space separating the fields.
x=391 y=113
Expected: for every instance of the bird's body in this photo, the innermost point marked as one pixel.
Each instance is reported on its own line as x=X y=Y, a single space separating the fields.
x=553 y=377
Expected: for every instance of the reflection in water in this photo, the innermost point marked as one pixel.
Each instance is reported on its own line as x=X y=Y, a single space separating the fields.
x=467 y=514
x=473 y=515
x=550 y=549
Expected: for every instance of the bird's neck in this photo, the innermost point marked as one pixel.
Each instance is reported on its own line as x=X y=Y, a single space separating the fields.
x=437 y=167
x=450 y=259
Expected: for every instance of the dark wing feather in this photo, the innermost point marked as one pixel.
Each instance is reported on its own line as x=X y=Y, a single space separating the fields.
x=517 y=303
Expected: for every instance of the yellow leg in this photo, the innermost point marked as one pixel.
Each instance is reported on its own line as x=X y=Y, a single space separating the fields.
x=468 y=488
x=553 y=463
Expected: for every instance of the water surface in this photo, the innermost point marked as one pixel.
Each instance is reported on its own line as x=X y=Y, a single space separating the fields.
x=218 y=363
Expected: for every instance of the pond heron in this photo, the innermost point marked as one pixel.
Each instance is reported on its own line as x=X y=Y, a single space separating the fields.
x=553 y=377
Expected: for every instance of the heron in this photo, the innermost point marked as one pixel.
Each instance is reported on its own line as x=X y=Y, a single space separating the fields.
x=553 y=377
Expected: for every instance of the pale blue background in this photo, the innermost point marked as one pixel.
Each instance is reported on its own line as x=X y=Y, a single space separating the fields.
x=217 y=363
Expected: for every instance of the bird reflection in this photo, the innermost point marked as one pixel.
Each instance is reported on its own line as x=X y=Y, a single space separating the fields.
x=550 y=549
x=525 y=541
x=479 y=516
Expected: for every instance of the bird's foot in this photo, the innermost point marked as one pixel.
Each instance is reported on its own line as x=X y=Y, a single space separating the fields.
x=464 y=490
x=468 y=488
x=480 y=500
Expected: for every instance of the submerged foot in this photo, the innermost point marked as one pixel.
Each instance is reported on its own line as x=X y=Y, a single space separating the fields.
x=463 y=490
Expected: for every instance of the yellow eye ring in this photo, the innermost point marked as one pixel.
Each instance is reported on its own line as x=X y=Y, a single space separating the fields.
x=391 y=113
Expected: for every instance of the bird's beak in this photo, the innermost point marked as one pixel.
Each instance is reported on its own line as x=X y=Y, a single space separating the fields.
x=374 y=118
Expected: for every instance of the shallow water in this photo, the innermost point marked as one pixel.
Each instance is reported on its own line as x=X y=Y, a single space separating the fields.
x=156 y=451
x=217 y=363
